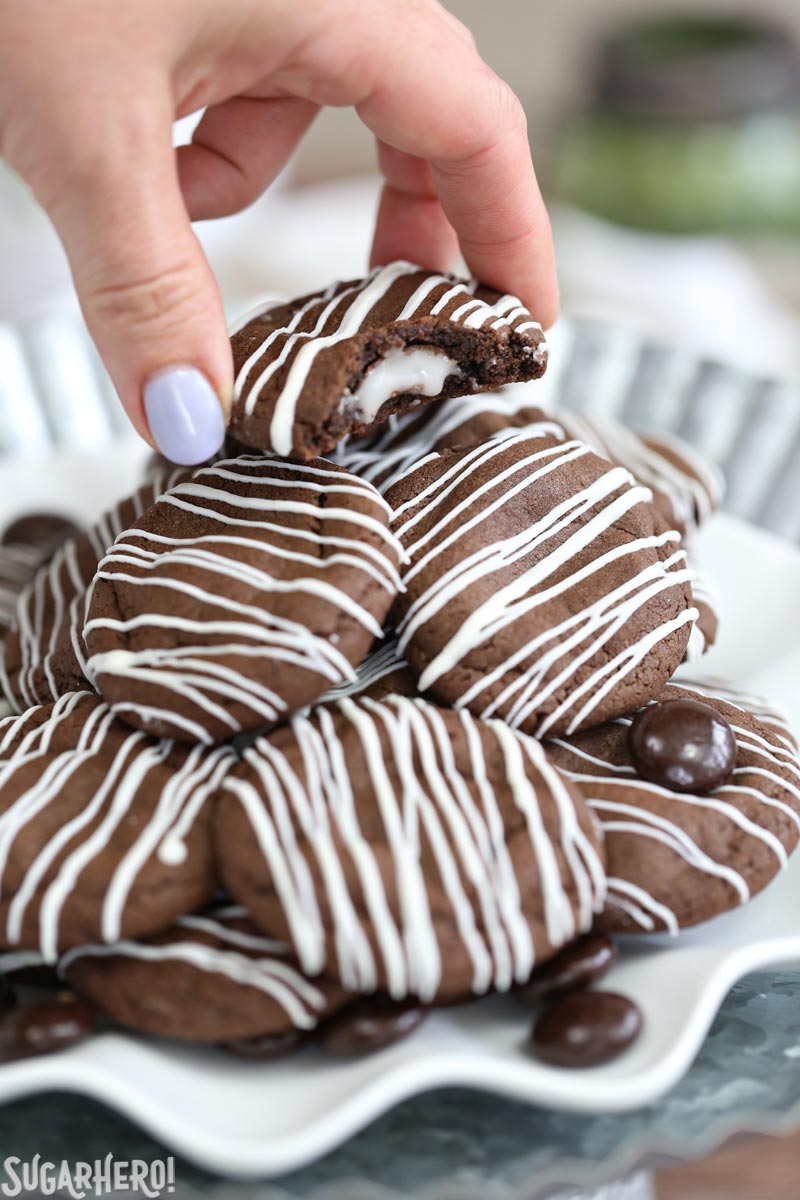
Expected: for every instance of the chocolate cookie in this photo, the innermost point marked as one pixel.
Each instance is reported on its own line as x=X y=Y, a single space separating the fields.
x=105 y=833
x=542 y=586
x=402 y=847
x=310 y=371
x=686 y=487
x=44 y=655
x=677 y=859
x=208 y=978
x=41 y=531
x=240 y=596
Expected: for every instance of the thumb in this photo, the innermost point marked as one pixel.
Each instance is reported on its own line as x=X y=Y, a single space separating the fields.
x=148 y=295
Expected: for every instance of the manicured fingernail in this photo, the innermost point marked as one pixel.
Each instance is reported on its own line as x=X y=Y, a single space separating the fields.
x=184 y=415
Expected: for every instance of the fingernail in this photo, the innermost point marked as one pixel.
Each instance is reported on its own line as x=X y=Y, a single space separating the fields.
x=184 y=415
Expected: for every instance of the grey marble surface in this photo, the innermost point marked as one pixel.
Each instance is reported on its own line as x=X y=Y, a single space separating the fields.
x=459 y=1145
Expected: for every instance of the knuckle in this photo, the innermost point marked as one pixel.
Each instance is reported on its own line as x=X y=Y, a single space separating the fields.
x=509 y=109
x=158 y=302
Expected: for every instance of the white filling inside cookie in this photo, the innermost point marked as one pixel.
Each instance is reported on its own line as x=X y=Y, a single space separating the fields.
x=416 y=370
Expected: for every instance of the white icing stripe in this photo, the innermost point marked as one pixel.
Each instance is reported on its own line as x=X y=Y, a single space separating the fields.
x=341 y=313
x=215 y=925
x=114 y=814
x=18 y=565
x=639 y=904
x=419 y=795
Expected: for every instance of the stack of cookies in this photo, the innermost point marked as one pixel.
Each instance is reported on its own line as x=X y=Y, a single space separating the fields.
x=377 y=712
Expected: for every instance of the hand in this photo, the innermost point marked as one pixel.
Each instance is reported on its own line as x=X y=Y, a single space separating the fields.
x=88 y=94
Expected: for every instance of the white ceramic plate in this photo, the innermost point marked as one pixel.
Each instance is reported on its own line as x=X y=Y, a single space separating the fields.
x=248 y=1119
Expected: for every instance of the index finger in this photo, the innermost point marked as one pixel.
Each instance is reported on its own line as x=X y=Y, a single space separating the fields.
x=435 y=99
x=416 y=79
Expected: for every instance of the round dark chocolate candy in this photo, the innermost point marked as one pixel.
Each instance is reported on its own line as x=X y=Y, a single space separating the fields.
x=683 y=745
x=267 y=1047
x=44 y=1027
x=576 y=966
x=369 y=1025
x=39 y=529
x=586 y=1028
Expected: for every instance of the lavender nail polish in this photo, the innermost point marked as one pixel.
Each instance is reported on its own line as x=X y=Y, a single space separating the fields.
x=184 y=415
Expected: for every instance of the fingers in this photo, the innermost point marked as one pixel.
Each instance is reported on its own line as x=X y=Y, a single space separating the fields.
x=481 y=169
x=493 y=200
x=145 y=288
x=422 y=89
x=237 y=150
x=411 y=221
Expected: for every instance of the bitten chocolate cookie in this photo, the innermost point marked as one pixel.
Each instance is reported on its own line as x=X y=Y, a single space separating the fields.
x=240 y=596
x=44 y=655
x=208 y=978
x=686 y=487
x=310 y=371
x=676 y=859
x=402 y=847
x=542 y=587
x=104 y=832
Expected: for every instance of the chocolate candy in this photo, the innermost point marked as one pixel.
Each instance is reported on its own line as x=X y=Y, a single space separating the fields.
x=574 y=967
x=43 y=530
x=586 y=1028
x=263 y=1049
x=44 y=1027
x=683 y=745
x=370 y=1025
